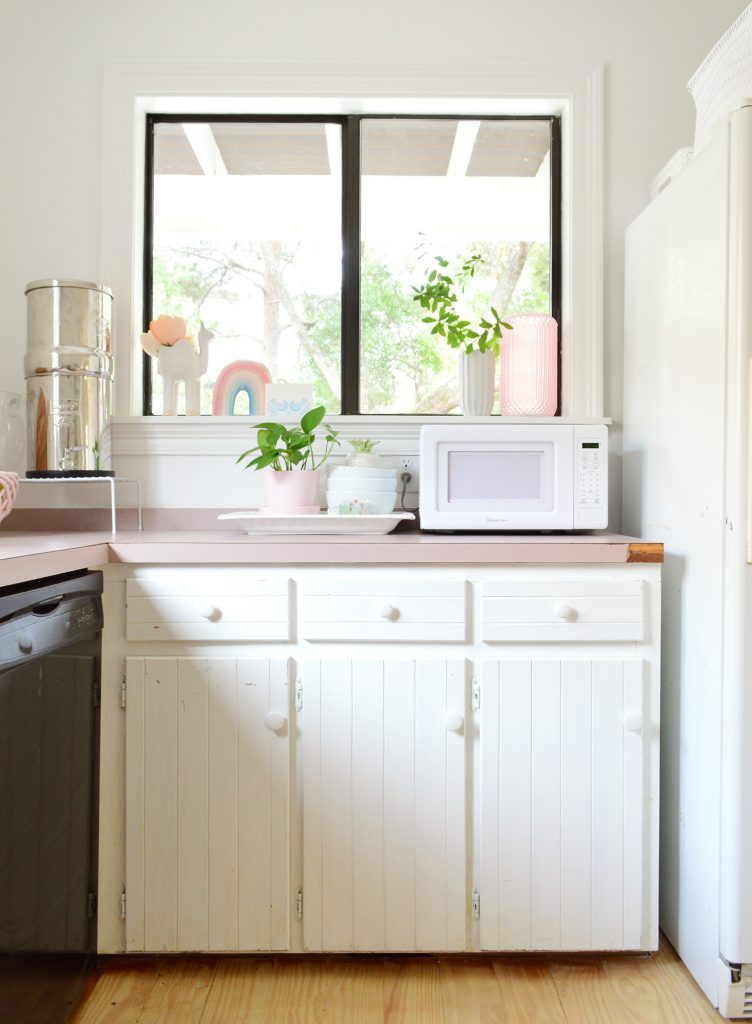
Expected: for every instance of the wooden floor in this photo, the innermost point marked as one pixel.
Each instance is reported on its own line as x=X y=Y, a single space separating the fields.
x=393 y=990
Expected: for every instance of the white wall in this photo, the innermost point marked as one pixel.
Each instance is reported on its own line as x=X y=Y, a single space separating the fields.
x=52 y=56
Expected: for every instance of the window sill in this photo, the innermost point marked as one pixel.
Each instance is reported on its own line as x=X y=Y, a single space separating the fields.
x=225 y=435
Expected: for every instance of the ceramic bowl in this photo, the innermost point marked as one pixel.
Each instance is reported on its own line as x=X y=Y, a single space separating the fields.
x=361 y=473
x=379 y=504
x=355 y=487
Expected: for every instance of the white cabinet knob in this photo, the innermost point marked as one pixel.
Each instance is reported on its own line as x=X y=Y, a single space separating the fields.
x=453 y=721
x=275 y=722
x=210 y=612
x=633 y=722
x=564 y=611
x=388 y=611
x=25 y=643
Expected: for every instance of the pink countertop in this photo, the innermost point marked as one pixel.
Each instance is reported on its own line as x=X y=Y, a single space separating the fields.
x=28 y=556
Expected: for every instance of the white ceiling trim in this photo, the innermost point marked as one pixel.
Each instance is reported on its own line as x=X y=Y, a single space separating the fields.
x=573 y=91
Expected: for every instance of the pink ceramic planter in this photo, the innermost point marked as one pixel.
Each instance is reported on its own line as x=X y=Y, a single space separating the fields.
x=289 y=490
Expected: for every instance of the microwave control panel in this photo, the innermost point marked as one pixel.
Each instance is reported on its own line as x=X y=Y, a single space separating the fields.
x=591 y=477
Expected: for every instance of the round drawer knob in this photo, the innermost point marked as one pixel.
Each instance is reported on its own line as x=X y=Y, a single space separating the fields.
x=25 y=643
x=564 y=611
x=454 y=721
x=633 y=722
x=275 y=722
x=388 y=611
x=211 y=612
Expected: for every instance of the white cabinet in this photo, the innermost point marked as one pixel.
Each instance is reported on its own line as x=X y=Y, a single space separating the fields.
x=207 y=776
x=200 y=605
x=563 y=611
x=564 y=852
x=384 y=816
x=419 y=758
x=389 y=611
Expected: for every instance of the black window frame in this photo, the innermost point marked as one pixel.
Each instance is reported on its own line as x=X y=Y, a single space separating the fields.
x=351 y=175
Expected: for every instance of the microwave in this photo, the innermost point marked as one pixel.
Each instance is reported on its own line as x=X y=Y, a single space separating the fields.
x=514 y=476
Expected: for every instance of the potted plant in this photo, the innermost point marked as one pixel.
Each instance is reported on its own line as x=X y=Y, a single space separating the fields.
x=476 y=340
x=291 y=477
x=362 y=454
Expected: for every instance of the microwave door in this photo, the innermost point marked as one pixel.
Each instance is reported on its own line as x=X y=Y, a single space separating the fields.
x=524 y=485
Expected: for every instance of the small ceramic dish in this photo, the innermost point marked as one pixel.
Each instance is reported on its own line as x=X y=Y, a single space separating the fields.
x=377 y=504
x=360 y=473
x=357 y=487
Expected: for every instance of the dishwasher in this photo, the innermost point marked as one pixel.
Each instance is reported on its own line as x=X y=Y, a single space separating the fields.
x=50 y=654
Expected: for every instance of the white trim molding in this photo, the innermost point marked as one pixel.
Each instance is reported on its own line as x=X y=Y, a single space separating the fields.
x=227 y=436
x=572 y=91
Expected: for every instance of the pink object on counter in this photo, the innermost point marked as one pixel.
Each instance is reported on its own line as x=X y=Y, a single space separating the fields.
x=528 y=382
x=289 y=490
x=8 y=492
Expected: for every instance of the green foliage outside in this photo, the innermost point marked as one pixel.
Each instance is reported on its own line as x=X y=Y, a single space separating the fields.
x=403 y=367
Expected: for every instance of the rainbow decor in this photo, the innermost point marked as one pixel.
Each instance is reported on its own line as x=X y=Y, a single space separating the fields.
x=242 y=376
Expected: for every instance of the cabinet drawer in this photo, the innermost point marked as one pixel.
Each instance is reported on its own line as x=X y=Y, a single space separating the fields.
x=399 y=610
x=566 y=610
x=231 y=606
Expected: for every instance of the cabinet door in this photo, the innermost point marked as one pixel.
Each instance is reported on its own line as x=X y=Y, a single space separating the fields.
x=207 y=773
x=564 y=843
x=384 y=823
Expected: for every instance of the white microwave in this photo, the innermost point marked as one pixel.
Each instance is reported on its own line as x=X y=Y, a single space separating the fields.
x=514 y=476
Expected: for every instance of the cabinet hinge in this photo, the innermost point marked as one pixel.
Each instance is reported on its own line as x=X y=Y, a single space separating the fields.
x=123 y=687
x=122 y=905
x=299 y=695
x=475 y=902
x=91 y=905
x=476 y=695
x=299 y=904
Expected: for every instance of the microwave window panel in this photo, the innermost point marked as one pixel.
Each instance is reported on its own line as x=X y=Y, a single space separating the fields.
x=496 y=476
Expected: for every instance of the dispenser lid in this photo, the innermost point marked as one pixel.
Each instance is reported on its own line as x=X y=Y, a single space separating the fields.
x=55 y=282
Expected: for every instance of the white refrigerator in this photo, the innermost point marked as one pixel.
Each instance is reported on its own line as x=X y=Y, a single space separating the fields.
x=688 y=483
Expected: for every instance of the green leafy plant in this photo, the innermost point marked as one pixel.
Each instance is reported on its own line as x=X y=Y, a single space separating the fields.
x=286 y=448
x=438 y=296
x=362 y=445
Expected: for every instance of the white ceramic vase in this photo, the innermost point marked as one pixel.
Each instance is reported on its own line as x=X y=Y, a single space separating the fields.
x=477 y=380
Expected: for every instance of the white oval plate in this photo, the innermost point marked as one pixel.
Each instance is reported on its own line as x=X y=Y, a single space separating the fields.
x=321 y=523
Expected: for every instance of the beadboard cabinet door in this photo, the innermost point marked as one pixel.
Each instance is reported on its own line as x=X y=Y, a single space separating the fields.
x=564 y=803
x=384 y=826
x=207 y=804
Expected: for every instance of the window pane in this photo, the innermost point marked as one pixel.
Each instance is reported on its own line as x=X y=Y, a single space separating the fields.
x=247 y=239
x=452 y=188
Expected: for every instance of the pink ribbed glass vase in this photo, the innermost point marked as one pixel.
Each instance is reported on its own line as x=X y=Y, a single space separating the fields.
x=529 y=366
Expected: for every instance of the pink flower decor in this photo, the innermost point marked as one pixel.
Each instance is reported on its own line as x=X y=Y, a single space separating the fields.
x=8 y=491
x=167 y=329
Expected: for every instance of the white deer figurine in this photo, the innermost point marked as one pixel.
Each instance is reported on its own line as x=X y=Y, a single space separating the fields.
x=178 y=360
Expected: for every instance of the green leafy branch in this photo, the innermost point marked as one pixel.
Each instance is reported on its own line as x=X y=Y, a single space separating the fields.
x=285 y=448
x=438 y=297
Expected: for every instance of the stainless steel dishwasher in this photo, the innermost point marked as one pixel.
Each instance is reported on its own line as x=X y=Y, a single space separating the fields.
x=50 y=647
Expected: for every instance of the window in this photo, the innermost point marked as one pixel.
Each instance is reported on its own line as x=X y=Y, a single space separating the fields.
x=297 y=241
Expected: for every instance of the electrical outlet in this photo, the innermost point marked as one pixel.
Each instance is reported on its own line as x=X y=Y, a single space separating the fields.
x=407 y=461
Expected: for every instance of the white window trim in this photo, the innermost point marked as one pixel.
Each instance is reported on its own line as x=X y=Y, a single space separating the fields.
x=574 y=92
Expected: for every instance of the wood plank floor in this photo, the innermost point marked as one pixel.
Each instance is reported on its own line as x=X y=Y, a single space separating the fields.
x=396 y=990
